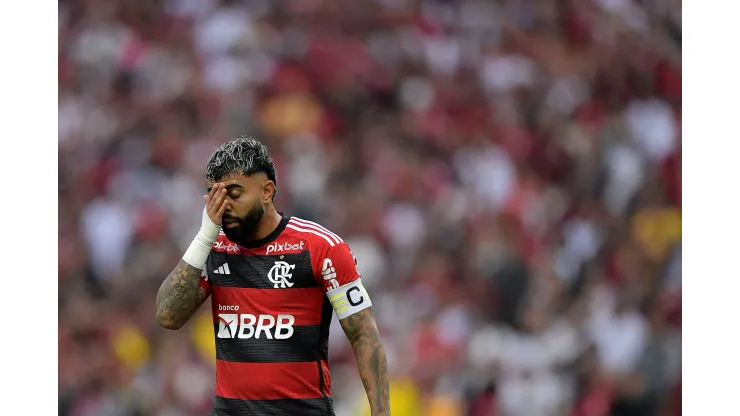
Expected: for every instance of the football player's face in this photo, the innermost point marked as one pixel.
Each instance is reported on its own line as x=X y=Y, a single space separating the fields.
x=247 y=198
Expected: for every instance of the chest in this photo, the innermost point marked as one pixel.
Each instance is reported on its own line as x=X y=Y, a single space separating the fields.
x=240 y=270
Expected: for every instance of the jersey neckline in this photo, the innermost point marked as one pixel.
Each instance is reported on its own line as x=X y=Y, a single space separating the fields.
x=270 y=237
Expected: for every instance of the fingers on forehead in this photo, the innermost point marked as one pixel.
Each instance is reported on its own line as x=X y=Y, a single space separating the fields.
x=225 y=183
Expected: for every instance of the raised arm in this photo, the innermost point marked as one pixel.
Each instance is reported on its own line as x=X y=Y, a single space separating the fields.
x=363 y=334
x=181 y=293
x=179 y=296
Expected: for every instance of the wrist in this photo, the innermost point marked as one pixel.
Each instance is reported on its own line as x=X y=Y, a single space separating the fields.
x=208 y=231
x=197 y=254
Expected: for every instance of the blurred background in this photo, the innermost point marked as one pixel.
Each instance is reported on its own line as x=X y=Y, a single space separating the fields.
x=507 y=173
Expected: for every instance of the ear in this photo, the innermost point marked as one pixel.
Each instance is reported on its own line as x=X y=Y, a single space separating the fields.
x=267 y=191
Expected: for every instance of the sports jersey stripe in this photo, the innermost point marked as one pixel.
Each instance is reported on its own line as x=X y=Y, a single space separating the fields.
x=316 y=226
x=267 y=381
x=303 y=304
x=304 y=230
x=253 y=272
x=323 y=344
x=264 y=350
x=303 y=407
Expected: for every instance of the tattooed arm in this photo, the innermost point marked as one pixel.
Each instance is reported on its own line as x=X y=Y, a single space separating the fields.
x=362 y=333
x=181 y=293
x=180 y=296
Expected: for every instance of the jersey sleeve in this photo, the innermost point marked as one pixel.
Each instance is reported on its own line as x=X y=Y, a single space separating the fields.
x=204 y=283
x=340 y=279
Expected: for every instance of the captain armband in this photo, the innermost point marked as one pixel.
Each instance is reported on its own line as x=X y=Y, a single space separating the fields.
x=349 y=299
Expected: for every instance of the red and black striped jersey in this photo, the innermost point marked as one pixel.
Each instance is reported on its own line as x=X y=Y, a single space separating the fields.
x=271 y=315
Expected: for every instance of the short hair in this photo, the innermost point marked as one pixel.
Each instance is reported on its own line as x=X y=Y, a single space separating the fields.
x=246 y=156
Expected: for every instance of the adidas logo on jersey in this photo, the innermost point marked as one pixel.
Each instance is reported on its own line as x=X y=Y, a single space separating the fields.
x=224 y=269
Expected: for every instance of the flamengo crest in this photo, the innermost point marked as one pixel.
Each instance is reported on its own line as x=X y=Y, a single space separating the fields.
x=280 y=274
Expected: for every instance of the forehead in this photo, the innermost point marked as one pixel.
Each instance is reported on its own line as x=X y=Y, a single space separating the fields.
x=241 y=180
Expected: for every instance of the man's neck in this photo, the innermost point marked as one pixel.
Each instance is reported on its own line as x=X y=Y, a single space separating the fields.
x=267 y=225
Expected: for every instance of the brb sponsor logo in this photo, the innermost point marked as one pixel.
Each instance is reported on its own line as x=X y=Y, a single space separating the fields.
x=246 y=325
x=229 y=248
x=329 y=274
x=275 y=248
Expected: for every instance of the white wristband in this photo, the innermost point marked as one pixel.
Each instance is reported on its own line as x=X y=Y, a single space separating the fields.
x=197 y=254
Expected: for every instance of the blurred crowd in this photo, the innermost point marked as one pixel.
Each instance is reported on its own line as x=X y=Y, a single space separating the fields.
x=507 y=173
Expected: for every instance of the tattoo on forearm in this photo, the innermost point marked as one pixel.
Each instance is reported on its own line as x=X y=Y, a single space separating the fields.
x=179 y=296
x=362 y=333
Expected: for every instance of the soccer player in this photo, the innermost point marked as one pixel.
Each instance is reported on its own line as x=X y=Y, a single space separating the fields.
x=274 y=281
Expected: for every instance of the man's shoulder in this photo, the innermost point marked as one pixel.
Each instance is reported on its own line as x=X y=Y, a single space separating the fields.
x=318 y=236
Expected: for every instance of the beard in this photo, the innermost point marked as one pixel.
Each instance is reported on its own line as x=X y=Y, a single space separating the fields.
x=247 y=225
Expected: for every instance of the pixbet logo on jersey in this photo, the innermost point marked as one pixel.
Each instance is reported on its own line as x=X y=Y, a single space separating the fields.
x=229 y=248
x=329 y=274
x=275 y=248
x=245 y=325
